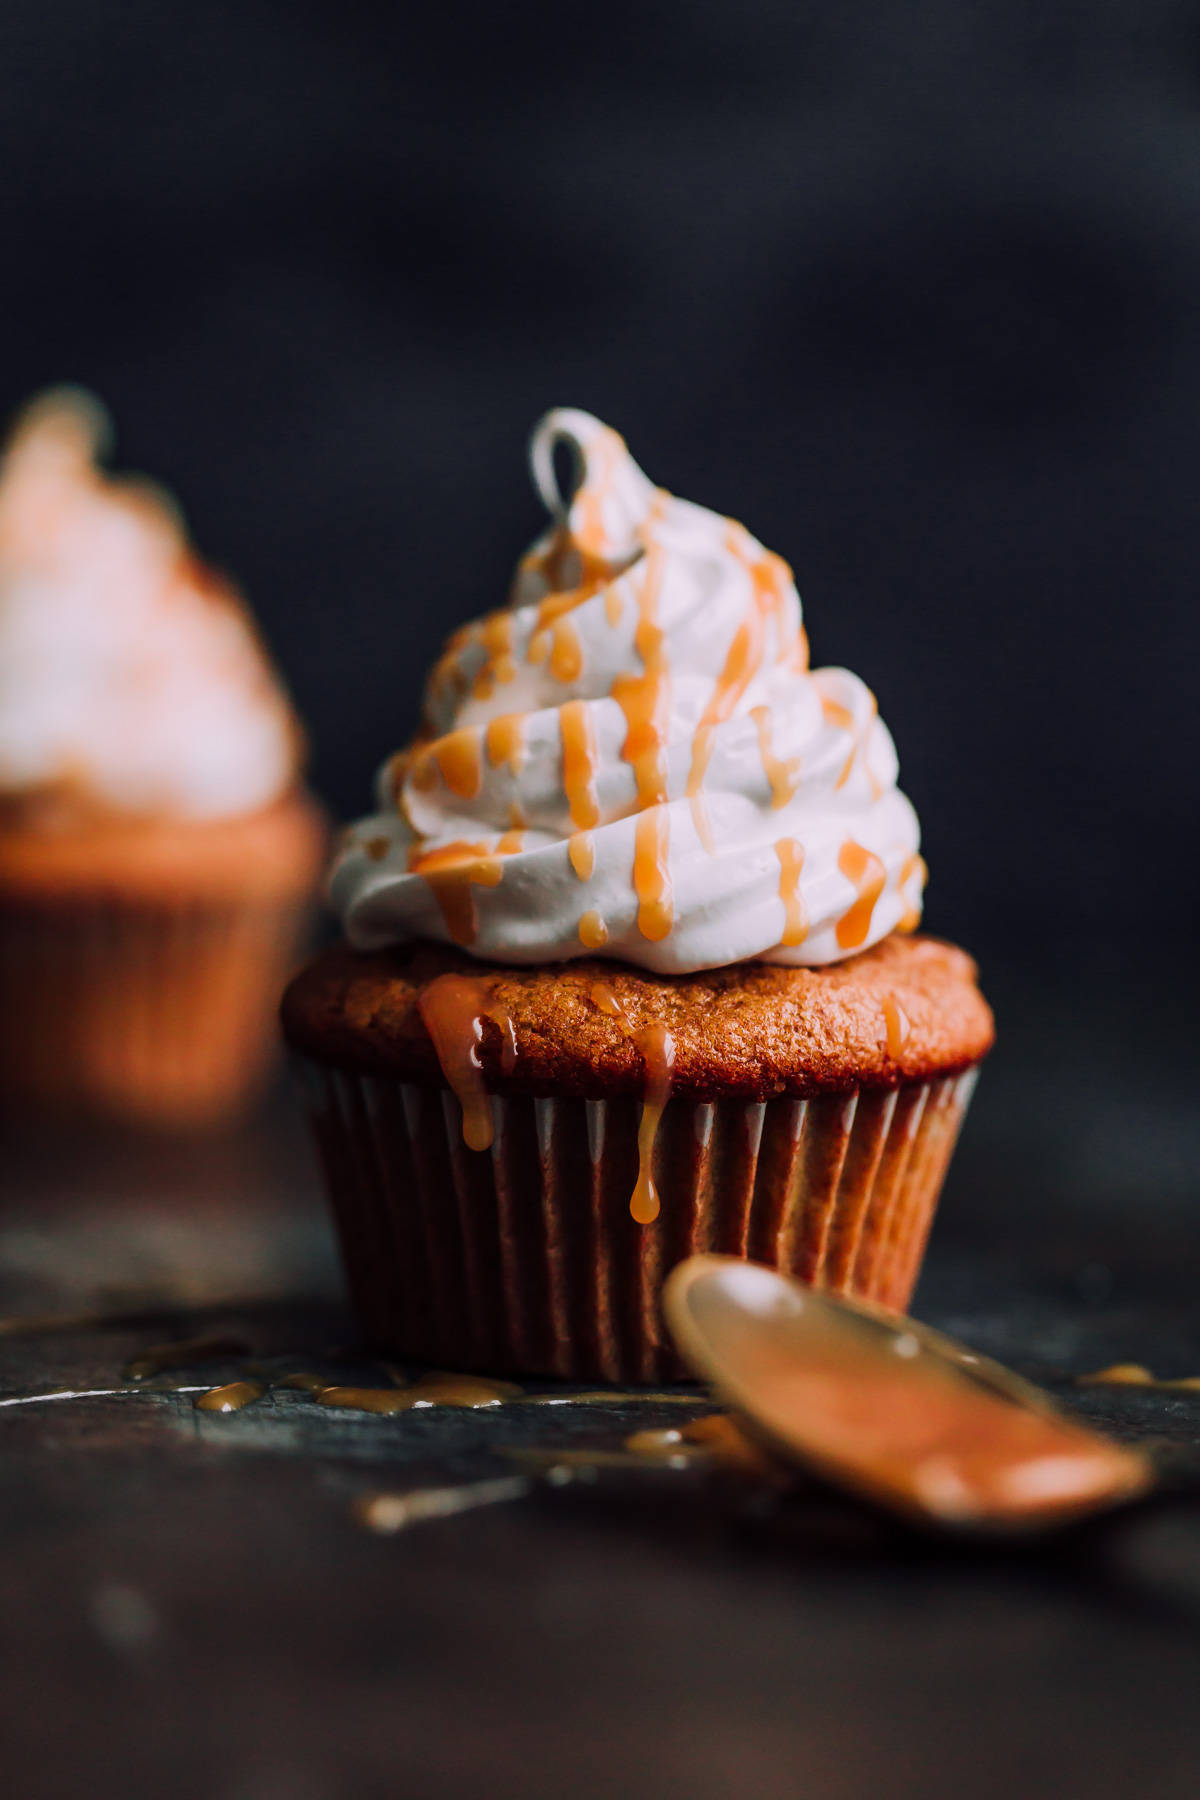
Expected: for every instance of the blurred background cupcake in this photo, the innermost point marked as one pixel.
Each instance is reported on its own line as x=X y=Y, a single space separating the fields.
x=157 y=848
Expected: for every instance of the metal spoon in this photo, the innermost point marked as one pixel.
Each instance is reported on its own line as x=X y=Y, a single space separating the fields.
x=888 y=1409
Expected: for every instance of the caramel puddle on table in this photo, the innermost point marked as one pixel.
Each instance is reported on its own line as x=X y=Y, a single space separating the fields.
x=1137 y=1375
x=181 y=1355
x=231 y=1398
x=431 y=1390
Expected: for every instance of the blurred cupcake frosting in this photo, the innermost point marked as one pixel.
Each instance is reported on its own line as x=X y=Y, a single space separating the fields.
x=131 y=680
x=634 y=759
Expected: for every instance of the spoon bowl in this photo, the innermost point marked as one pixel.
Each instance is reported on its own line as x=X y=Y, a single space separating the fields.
x=889 y=1410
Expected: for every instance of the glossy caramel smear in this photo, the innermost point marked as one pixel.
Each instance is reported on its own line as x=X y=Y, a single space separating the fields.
x=453 y=1008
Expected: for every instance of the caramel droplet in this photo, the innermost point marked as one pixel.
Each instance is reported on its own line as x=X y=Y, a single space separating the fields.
x=593 y=932
x=230 y=1398
x=604 y=998
x=1118 y=1375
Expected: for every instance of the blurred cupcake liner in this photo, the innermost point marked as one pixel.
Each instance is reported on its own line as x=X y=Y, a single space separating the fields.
x=156 y=1011
x=525 y=1259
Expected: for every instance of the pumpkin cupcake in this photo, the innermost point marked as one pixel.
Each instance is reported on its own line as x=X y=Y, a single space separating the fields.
x=629 y=971
x=157 y=851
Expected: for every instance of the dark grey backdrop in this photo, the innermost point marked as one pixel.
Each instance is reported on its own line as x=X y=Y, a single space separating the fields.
x=913 y=291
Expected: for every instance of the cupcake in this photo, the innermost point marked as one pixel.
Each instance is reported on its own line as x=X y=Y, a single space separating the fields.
x=157 y=851
x=629 y=971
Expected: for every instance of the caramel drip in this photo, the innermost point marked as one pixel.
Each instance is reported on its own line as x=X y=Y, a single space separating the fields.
x=505 y=739
x=910 y=918
x=181 y=1355
x=509 y=843
x=835 y=713
x=593 y=932
x=769 y=575
x=652 y=874
x=459 y=758
x=495 y=633
x=795 y=914
x=453 y=1008
x=644 y=698
x=582 y=851
x=899 y=1027
x=566 y=652
x=868 y=875
x=859 y=753
x=658 y=1051
x=452 y=871
x=782 y=775
x=614 y=606
x=603 y=997
x=579 y=764
x=230 y=1398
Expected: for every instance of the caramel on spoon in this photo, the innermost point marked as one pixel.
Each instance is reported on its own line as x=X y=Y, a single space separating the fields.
x=889 y=1409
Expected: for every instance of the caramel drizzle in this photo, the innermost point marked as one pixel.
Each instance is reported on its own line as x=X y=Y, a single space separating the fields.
x=505 y=740
x=454 y=1009
x=495 y=633
x=457 y=758
x=866 y=872
x=769 y=576
x=579 y=765
x=658 y=1051
x=795 y=913
x=910 y=918
x=644 y=698
x=452 y=871
x=581 y=849
x=783 y=776
x=652 y=873
x=657 y=1048
x=898 y=1027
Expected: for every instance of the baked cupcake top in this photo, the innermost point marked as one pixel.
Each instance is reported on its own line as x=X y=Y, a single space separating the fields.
x=132 y=682
x=633 y=759
x=906 y=1010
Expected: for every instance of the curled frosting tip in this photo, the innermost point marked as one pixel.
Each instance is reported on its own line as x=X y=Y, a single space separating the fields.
x=689 y=793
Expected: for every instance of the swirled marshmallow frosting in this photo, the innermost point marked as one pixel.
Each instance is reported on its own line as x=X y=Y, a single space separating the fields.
x=131 y=679
x=633 y=759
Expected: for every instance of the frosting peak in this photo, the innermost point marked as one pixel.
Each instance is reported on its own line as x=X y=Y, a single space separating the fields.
x=633 y=759
x=131 y=679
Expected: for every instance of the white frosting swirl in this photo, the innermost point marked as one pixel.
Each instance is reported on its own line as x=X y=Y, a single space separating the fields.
x=131 y=678
x=634 y=760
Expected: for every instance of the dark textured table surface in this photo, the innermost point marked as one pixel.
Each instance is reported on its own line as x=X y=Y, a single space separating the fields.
x=190 y=1607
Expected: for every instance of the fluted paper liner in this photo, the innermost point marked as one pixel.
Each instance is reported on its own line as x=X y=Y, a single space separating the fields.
x=163 y=1012
x=525 y=1258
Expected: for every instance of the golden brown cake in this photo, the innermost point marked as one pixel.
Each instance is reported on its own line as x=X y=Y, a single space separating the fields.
x=810 y=1118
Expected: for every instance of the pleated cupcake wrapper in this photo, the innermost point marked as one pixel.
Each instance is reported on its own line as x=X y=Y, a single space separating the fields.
x=525 y=1258
x=163 y=1012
